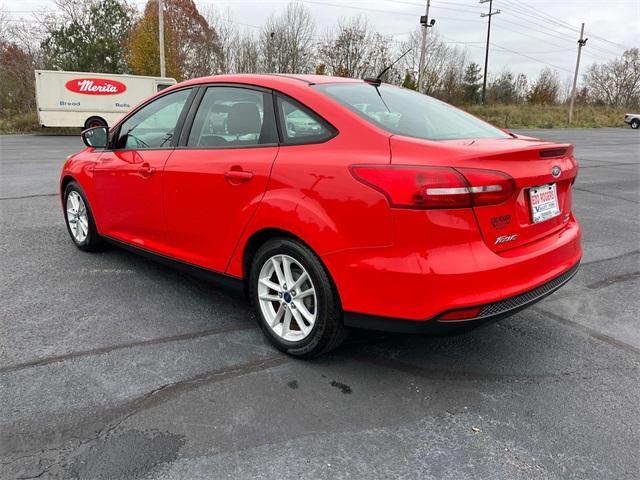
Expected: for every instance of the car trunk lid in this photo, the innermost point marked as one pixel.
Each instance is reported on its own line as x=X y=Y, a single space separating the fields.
x=537 y=168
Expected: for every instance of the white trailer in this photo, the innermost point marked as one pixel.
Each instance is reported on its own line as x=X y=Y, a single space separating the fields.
x=82 y=99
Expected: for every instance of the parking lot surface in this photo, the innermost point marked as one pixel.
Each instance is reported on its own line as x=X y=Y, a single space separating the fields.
x=112 y=366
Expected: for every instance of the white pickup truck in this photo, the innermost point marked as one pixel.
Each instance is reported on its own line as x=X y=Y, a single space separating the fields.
x=633 y=119
x=83 y=99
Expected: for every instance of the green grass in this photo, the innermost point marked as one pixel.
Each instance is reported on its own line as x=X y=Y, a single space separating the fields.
x=548 y=116
x=28 y=123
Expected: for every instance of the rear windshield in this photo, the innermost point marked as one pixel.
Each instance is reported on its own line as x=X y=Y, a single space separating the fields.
x=405 y=112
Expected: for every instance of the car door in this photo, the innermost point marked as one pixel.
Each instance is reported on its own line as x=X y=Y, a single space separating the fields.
x=128 y=177
x=215 y=180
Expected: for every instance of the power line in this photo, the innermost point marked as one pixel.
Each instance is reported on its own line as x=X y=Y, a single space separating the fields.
x=500 y=47
x=529 y=11
x=557 y=35
x=393 y=12
x=565 y=48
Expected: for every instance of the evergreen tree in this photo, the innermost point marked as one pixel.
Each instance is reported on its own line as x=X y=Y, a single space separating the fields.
x=92 y=40
x=471 y=83
x=409 y=81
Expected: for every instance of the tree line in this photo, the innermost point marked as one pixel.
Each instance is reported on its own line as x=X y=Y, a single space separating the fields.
x=112 y=36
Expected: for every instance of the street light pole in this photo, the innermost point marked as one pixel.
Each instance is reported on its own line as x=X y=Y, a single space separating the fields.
x=161 y=35
x=423 y=46
x=581 y=43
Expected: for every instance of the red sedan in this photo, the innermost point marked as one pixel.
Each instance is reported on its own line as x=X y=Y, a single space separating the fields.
x=333 y=203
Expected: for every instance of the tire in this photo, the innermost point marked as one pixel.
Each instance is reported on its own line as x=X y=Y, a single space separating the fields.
x=635 y=124
x=87 y=238
x=92 y=122
x=327 y=331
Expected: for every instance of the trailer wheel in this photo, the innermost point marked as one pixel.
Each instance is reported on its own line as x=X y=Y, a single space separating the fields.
x=92 y=122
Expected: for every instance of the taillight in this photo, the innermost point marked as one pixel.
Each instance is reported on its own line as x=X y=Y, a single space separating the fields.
x=436 y=187
x=488 y=187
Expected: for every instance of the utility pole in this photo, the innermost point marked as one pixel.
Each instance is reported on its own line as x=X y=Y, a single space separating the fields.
x=581 y=43
x=486 y=55
x=161 y=34
x=424 y=21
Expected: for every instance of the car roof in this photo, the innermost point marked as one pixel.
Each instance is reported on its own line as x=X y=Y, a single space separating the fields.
x=269 y=80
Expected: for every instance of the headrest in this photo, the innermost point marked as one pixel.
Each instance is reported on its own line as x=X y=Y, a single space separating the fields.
x=243 y=118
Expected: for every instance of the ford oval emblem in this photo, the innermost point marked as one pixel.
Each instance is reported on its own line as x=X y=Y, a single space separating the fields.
x=555 y=171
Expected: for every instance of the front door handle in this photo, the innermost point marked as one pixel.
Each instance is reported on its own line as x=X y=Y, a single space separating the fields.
x=146 y=170
x=238 y=176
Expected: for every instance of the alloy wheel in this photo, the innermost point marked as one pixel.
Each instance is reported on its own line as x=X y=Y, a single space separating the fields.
x=287 y=298
x=77 y=217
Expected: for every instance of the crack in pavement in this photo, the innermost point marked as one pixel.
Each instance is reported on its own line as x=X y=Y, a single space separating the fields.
x=156 y=397
x=608 y=259
x=607 y=164
x=589 y=331
x=613 y=280
x=162 y=393
x=470 y=375
x=140 y=343
x=30 y=196
x=607 y=195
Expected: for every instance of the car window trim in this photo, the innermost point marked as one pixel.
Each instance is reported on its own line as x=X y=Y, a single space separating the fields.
x=113 y=136
x=203 y=87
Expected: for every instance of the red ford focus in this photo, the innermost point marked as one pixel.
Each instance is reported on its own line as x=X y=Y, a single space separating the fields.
x=332 y=203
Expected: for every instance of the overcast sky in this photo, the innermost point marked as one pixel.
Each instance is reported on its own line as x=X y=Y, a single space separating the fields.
x=526 y=35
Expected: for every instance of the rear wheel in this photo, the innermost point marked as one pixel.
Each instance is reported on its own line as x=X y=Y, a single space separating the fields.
x=79 y=219
x=92 y=122
x=297 y=305
x=635 y=123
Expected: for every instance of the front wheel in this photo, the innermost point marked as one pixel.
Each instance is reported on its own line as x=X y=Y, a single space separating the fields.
x=79 y=219
x=635 y=124
x=93 y=122
x=297 y=305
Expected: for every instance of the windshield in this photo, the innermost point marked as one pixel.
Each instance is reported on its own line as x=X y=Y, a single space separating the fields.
x=405 y=112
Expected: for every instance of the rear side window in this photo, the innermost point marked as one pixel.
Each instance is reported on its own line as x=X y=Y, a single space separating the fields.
x=233 y=117
x=299 y=125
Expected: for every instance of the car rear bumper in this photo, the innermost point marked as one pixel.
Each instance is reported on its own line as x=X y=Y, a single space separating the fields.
x=489 y=313
x=429 y=275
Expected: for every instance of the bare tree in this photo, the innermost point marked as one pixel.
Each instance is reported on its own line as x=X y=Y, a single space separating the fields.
x=286 y=41
x=228 y=39
x=616 y=82
x=346 y=51
x=20 y=55
x=546 y=88
x=4 y=24
x=440 y=61
x=521 y=87
x=247 y=56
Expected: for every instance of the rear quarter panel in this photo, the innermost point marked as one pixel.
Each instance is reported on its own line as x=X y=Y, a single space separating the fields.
x=311 y=194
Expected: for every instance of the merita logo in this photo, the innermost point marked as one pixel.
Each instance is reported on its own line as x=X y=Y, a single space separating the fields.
x=95 y=86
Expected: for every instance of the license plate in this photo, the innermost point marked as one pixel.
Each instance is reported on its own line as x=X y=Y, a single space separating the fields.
x=544 y=202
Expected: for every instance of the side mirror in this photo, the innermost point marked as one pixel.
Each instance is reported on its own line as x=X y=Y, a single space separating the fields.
x=96 y=137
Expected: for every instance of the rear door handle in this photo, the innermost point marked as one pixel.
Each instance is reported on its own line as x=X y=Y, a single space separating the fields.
x=146 y=170
x=238 y=176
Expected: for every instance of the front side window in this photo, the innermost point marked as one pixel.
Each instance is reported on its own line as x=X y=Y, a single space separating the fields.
x=233 y=117
x=153 y=126
x=405 y=112
x=300 y=125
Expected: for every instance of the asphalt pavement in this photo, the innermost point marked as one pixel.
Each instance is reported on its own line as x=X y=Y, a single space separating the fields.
x=113 y=366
